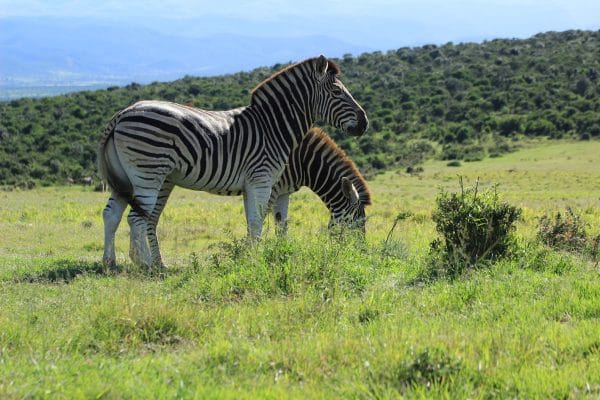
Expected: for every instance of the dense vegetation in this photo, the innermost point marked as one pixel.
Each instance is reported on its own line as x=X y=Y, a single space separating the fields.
x=456 y=102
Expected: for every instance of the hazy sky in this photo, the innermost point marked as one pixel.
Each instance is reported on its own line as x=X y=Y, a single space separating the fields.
x=581 y=12
x=379 y=24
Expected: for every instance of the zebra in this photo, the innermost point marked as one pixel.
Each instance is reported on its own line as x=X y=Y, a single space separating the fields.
x=152 y=146
x=317 y=163
x=321 y=165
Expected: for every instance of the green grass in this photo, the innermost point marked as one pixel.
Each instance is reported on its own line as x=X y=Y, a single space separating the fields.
x=310 y=317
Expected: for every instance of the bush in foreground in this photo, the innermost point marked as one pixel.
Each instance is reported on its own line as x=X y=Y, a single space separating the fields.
x=475 y=228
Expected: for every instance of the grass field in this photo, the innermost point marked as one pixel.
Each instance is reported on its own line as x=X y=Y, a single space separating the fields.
x=308 y=317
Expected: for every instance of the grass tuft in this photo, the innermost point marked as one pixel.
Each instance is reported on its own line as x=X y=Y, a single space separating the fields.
x=139 y=327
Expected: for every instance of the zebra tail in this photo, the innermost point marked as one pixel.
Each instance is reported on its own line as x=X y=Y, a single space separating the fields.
x=110 y=167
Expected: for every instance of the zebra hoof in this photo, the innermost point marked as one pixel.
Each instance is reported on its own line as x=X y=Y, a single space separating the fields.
x=152 y=267
x=158 y=270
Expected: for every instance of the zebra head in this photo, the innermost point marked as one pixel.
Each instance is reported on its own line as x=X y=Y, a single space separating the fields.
x=351 y=212
x=334 y=103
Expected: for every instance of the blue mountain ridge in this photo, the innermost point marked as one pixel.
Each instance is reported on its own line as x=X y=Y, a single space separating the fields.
x=79 y=51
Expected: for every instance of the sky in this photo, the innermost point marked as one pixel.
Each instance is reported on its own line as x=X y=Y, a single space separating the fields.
x=77 y=42
x=376 y=24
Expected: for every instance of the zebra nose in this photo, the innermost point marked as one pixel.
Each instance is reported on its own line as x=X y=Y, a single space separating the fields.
x=361 y=126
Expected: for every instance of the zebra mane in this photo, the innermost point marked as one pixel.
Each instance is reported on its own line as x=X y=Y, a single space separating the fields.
x=332 y=68
x=348 y=165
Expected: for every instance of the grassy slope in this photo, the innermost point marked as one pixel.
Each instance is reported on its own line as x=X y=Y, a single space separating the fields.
x=309 y=317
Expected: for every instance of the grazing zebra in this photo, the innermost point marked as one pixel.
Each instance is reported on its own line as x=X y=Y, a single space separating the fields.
x=317 y=163
x=151 y=146
x=321 y=165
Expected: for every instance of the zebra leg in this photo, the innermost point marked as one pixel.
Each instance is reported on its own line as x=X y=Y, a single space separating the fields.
x=139 y=252
x=146 y=199
x=161 y=201
x=143 y=246
x=256 y=201
x=112 y=214
x=280 y=212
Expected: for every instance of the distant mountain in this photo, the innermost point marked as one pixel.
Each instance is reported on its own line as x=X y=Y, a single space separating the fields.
x=78 y=51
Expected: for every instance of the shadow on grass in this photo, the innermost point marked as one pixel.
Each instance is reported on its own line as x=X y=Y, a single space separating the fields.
x=65 y=271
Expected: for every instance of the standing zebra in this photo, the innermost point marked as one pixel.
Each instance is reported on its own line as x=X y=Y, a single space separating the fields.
x=317 y=163
x=151 y=146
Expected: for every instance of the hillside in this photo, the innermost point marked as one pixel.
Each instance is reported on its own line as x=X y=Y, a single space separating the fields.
x=455 y=101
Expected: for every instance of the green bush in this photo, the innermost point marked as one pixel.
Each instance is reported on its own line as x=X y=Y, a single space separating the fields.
x=475 y=228
x=566 y=231
x=509 y=125
x=500 y=147
x=452 y=152
x=473 y=153
x=540 y=127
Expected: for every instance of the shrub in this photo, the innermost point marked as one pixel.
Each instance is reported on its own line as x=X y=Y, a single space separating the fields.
x=566 y=231
x=461 y=152
x=540 y=127
x=473 y=153
x=509 y=125
x=414 y=170
x=475 y=227
x=500 y=147
x=452 y=152
x=377 y=162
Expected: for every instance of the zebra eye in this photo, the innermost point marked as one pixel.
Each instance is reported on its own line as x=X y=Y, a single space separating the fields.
x=337 y=91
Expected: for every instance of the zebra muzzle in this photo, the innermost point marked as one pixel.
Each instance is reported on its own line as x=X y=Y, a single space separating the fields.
x=360 y=127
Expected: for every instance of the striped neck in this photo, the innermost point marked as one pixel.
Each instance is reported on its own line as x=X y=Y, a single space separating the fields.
x=284 y=100
x=320 y=165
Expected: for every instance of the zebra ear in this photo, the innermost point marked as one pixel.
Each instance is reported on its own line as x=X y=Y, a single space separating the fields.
x=349 y=190
x=322 y=64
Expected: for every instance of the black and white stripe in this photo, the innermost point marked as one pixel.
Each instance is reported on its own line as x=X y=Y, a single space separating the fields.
x=152 y=146
x=319 y=164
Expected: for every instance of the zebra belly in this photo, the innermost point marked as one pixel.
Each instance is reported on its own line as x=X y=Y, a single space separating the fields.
x=234 y=187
